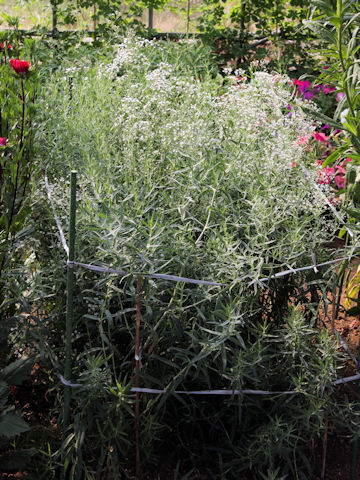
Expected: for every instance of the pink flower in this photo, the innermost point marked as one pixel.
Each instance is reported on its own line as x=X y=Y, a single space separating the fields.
x=325 y=127
x=326 y=67
x=325 y=175
x=20 y=66
x=327 y=89
x=349 y=159
x=302 y=140
x=321 y=137
x=3 y=141
x=339 y=96
x=340 y=181
x=340 y=169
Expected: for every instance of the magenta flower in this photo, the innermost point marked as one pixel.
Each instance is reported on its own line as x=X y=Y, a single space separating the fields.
x=321 y=137
x=327 y=89
x=308 y=95
x=340 y=181
x=3 y=141
x=301 y=84
x=340 y=169
x=339 y=96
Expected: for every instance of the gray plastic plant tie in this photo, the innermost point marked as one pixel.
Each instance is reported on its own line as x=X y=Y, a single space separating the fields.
x=155 y=391
x=212 y=392
x=300 y=269
x=138 y=358
x=185 y=392
x=347 y=379
x=173 y=278
x=313 y=258
x=58 y=224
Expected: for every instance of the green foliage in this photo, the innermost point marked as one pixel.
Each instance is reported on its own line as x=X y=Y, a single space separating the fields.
x=230 y=26
x=17 y=97
x=337 y=23
x=11 y=424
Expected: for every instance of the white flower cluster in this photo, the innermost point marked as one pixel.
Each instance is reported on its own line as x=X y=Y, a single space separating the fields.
x=211 y=163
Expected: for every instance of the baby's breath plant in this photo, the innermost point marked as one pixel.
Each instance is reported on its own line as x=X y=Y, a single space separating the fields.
x=183 y=172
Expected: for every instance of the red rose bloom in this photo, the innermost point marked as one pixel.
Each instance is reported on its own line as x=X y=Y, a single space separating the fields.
x=3 y=141
x=20 y=66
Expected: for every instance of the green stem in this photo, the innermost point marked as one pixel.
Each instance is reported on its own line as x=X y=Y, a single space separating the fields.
x=12 y=212
x=69 y=306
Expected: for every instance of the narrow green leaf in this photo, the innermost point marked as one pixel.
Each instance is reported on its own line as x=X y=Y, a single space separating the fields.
x=334 y=155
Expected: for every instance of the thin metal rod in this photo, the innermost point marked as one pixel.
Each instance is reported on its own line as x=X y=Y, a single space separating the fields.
x=95 y=22
x=354 y=448
x=151 y=17
x=137 y=369
x=69 y=302
x=324 y=452
x=54 y=20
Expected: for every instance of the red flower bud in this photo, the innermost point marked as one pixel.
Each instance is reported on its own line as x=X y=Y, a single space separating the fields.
x=2 y=46
x=20 y=66
x=3 y=141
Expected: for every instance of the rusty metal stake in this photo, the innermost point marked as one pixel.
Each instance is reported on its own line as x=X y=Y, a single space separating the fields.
x=137 y=369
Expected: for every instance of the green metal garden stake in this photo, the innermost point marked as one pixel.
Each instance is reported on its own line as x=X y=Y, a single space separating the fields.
x=69 y=302
x=151 y=17
x=54 y=20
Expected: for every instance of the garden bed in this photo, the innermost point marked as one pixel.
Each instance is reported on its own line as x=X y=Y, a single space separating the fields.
x=202 y=212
